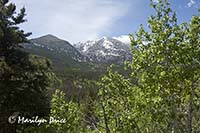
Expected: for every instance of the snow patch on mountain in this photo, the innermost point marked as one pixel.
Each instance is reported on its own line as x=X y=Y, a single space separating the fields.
x=107 y=44
x=105 y=49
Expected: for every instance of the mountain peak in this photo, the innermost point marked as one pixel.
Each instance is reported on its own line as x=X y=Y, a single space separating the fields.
x=52 y=40
x=105 y=50
x=49 y=37
x=51 y=45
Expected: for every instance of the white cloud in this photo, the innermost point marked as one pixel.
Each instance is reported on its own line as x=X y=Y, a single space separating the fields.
x=191 y=3
x=156 y=1
x=73 y=20
x=123 y=38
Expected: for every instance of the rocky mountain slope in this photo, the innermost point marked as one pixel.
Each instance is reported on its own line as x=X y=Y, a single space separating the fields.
x=88 y=56
x=61 y=52
x=105 y=50
x=57 y=46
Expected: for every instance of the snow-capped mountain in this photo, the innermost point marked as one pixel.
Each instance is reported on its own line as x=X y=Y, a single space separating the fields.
x=105 y=50
x=64 y=55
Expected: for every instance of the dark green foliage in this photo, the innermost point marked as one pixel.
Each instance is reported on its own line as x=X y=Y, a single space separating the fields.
x=24 y=81
x=10 y=34
x=24 y=78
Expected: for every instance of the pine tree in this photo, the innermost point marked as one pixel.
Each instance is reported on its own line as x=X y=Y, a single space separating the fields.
x=24 y=78
x=10 y=34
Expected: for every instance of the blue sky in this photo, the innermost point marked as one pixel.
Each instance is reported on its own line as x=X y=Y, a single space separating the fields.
x=82 y=20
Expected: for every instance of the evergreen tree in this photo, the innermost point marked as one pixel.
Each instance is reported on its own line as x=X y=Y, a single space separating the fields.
x=10 y=34
x=24 y=78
